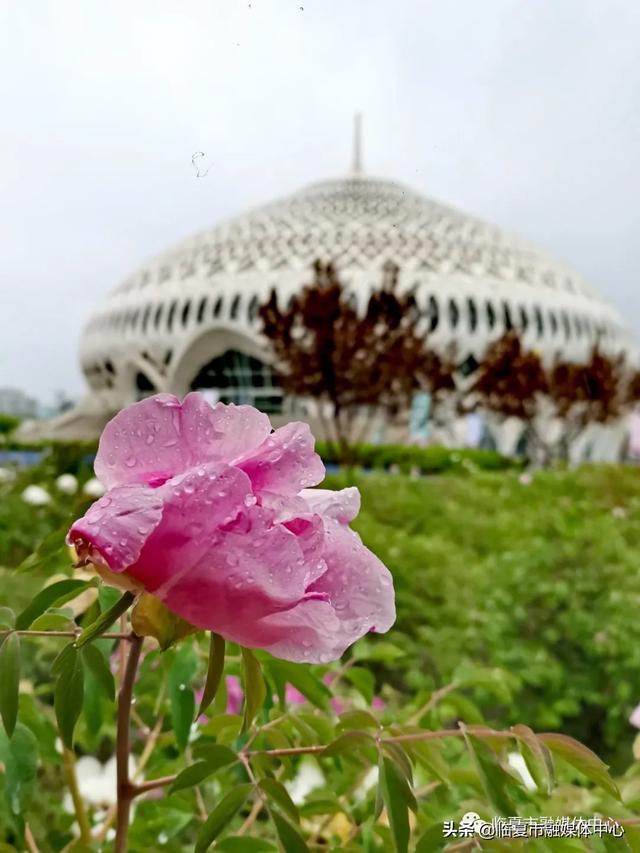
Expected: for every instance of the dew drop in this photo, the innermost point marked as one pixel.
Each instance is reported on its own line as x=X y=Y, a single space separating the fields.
x=130 y=461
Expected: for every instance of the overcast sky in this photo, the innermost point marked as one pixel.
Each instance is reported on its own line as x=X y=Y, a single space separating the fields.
x=525 y=112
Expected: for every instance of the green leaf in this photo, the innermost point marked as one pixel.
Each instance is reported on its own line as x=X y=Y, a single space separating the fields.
x=245 y=844
x=254 y=687
x=397 y=754
x=277 y=793
x=537 y=757
x=50 y=547
x=7 y=617
x=51 y=596
x=349 y=742
x=105 y=620
x=69 y=693
x=493 y=777
x=582 y=759
x=214 y=753
x=53 y=621
x=19 y=755
x=94 y=661
x=214 y=671
x=303 y=679
x=221 y=816
x=181 y=698
x=364 y=682
x=290 y=838
x=357 y=720
x=394 y=790
x=9 y=681
x=192 y=775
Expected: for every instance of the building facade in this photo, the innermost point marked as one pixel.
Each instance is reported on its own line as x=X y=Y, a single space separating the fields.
x=189 y=320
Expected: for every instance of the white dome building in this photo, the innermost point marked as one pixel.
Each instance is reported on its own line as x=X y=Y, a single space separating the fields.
x=188 y=319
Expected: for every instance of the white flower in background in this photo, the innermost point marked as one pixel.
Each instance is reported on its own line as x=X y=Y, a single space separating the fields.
x=517 y=762
x=369 y=782
x=97 y=782
x=94 y=488
x=67 y=484
x=307 y=780
x=525 y=479
x=36 y=496
x=619 y=512
x=7 y=475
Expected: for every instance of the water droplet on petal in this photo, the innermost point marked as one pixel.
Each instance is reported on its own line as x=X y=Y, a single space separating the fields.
x=130 y=461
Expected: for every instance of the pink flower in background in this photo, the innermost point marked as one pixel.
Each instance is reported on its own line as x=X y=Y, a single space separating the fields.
x=209 y=510
x=235 y=694
x=378 y=704
x=292 y=696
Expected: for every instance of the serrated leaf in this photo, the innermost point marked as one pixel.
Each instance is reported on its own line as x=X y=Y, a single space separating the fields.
x=51 y=596
x=254 y=687
x=290 y=838
x=493 y=778
x=394 y=788
x=9 y=681
x=349 y=742
x=302 y=678
x=150 y=617
x=105 y=620
x=221 y=816
x=69 y=694
x=276 y=792
x=537 y=757
x=94 y=660
x=582 y=759
x=215 y=669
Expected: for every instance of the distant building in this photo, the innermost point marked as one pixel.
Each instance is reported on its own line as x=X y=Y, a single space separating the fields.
x=16 y=402
x=188 y=319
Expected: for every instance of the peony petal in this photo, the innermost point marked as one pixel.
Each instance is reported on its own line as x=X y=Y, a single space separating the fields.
x=157 y=438
x=196 y=505
x=116 y=527
x=251 y=570
x=310 y=632
x=285 y=462
x=357 y=583
x=343 y=505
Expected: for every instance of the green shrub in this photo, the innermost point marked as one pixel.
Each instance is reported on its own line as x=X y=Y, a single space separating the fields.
x=541 y=581
x=426 y=460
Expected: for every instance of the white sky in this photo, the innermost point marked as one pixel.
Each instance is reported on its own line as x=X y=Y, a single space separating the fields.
x=525 y=112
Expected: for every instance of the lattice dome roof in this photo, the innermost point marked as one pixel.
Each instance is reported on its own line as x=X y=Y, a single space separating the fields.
x=471 y=279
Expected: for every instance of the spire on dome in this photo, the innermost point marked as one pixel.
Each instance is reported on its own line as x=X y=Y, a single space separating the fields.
x=357 y=144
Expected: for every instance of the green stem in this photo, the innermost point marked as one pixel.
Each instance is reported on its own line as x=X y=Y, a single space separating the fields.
x=69 y=760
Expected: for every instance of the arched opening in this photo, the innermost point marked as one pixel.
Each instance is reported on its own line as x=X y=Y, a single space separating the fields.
x=454 y=313
x=473 y=314
x=235 y=377
x=144 y=386
x=433 y=313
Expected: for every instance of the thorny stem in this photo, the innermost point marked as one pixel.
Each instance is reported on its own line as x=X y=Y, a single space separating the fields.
x=125 y=787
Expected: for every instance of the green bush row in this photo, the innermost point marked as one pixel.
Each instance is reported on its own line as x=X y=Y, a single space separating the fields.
x=426 y=460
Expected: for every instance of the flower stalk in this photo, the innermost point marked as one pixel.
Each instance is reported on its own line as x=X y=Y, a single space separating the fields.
x=126 y=790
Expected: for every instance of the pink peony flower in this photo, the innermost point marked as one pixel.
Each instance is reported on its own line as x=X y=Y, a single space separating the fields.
x=209 y=510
